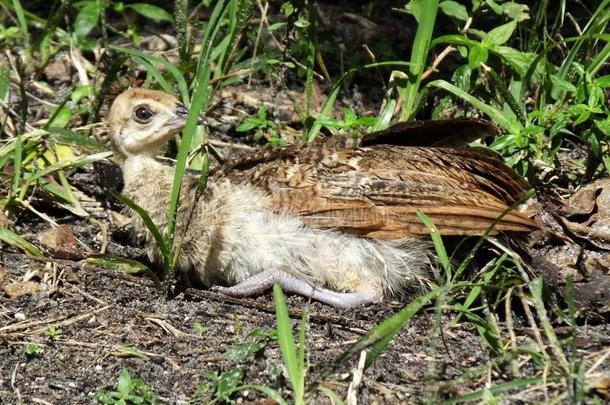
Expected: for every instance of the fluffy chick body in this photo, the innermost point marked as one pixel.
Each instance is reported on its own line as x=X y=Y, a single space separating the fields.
x=235 y=234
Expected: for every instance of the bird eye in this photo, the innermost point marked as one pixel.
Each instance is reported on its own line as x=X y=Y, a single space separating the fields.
x=142 y=114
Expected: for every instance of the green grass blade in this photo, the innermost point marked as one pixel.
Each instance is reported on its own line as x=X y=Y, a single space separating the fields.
x=286 y=342
x=477 y=289
x=301 y=354
x=269 y=392
x=13 y=239
x=72 y=138
x=200 y=100
x=596 y=25
x=419 y=55
x=17 y=161
x=499 y=388
x=23 y=26
x=332 y=395
x=150 y=68
x=4 y=81
x=599 y=60
x=74 y=162
x=381 y=336
x=496 y=115
x=122 y=265
x=437 y=240
x=161 y=244
x=180 y=80
x=535 y=288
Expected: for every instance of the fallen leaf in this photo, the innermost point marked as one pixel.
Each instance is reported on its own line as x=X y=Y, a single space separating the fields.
x=62 y=243
x=21 y=288
x=119 y=220
x=602 y=387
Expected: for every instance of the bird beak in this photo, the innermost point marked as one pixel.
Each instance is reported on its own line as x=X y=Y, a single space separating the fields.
x=182 y=113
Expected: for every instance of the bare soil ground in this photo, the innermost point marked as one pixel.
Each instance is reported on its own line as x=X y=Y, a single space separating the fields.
x=102 y=313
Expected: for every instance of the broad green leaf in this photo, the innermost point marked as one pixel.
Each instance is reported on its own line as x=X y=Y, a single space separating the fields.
x=494 y=6
x=124 y=383
x=123 y=265
x=61 y=118
x=454 y=39
x=247 y=125
x=461 y=77
x=80 y=92
x=519 y=61
x=287 y=9
x=454 y=9
x=500 y=35
x=562 y=85
x=478 y=54
x=603 y=81
x=410 y=92
x=414 y=7
x=151 y=11
x=87 y=19
x=604 y=126
x=516 y=11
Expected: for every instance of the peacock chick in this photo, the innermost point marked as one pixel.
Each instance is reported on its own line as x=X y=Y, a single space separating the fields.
x=237 y=237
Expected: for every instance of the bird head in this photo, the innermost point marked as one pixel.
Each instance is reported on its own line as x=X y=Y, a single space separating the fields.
x=142 y=120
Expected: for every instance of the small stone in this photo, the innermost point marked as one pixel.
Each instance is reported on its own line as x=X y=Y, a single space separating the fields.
x=20 y=316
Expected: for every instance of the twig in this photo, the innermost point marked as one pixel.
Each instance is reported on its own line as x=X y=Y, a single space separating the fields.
x=258 y=36
x=42 y=215
x=230 y=145
x=66 y=322
x=87 y=295
x=13 y=385
x=599 y=362
x=437 y=61
x=283 y=49
x=170 y=329
x=352 y=390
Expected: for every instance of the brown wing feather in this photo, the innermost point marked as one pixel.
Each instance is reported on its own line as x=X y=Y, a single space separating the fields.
x=375 y=191
x=449 y=132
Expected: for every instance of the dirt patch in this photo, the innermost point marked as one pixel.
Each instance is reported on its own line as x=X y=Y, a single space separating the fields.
x=105 y=317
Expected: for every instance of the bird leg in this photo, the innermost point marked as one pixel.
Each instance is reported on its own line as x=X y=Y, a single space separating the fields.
x=263 y=281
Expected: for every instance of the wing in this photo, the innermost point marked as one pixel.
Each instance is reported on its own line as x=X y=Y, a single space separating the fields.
x=450 y=132
x=375 y=191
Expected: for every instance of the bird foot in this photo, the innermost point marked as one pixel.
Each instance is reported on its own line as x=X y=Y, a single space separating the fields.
x=263 y=281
